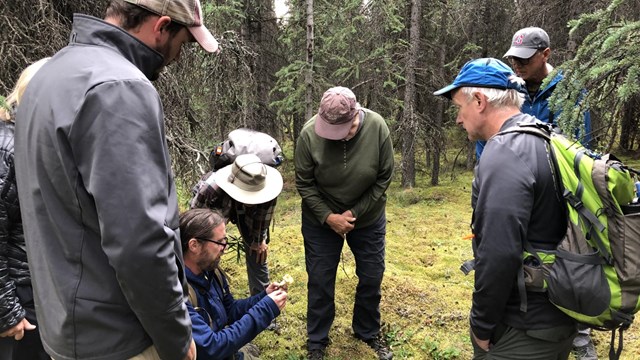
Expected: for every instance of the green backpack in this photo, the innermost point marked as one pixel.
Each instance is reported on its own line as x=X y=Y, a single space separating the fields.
x=594 y=274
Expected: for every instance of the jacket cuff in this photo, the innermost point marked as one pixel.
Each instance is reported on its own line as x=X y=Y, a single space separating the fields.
x=480 y=333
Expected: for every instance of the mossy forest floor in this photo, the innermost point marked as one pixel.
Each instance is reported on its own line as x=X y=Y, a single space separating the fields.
x=425 y=297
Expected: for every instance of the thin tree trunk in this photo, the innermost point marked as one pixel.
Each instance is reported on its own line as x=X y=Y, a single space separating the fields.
x=308 y=80
x=439 y=118
x=410 y=120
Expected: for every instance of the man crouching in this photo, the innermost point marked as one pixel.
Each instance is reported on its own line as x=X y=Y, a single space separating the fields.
x=222 y=326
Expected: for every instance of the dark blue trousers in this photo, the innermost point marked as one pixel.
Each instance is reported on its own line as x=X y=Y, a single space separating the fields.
x=322 y=248
x=544 y=344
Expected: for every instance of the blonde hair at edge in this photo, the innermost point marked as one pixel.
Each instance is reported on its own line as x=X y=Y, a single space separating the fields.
x=497 y=97
x=21 y=85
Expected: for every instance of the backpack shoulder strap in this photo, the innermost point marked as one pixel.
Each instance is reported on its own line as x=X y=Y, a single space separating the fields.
x=217 y=272
x=538 y=129
x=544 y=131
x=193 y=299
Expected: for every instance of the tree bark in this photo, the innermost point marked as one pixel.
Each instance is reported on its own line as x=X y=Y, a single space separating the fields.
x=409 y=118
x=441 y=107
x=308 y=80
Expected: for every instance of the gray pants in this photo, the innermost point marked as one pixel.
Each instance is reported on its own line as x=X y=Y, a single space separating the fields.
x=257 y=274
x=583 y=338
x=545 y=344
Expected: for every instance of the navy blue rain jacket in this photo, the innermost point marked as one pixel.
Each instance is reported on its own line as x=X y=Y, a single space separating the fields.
x=234 y=322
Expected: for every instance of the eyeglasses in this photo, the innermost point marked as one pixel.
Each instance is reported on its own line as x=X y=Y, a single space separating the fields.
x=520 y=61
x=219 y=242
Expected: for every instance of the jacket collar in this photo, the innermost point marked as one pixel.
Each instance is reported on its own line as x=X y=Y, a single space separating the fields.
x=88 y=30
x=553 y=82
x=203 y=280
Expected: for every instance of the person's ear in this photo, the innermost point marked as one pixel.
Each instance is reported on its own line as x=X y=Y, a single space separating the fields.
x=479 y=100
x=160 y=26
x=193 y=245
x=546 y=53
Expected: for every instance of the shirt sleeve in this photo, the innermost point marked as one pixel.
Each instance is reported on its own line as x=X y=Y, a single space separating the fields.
x=501 y=218
x=306 y=183
x=385 y=173
x=256 y=219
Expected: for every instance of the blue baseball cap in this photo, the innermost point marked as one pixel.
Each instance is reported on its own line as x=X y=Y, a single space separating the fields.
x=486 y=72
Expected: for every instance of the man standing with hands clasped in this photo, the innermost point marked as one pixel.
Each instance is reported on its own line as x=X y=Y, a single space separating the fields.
x=97 y=194
x=344 y=164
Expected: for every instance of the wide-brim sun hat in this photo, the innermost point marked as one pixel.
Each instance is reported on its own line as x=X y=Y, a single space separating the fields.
x=249 y=181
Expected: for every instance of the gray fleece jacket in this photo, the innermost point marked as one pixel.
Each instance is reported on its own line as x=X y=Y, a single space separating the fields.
x=514 y=198
x=99 y=203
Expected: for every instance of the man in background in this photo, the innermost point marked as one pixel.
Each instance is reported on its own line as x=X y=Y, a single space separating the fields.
x=98 y=198
x=529 y=55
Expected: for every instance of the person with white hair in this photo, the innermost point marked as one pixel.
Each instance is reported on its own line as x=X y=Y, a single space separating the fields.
x=514 y=198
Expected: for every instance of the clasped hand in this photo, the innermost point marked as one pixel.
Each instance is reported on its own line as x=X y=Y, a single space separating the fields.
x=341 y=223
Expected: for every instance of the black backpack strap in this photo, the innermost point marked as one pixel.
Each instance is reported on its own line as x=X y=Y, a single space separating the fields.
x=614 y=354
x=539 y=129
x=543 y=131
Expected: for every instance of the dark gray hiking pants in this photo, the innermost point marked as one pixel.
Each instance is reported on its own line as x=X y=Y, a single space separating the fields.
x=545 y=344
x=322 y=247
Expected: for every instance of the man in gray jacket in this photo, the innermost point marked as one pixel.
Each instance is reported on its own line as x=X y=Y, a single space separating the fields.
x=514 y=199
x=98 y=199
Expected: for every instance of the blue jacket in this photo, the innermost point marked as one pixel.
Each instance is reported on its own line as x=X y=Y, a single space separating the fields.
x=234 y=322
x=539 y=108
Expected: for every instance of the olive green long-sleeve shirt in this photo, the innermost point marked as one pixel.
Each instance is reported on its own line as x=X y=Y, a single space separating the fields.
x=333 y=176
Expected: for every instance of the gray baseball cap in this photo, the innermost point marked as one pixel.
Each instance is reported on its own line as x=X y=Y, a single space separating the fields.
x=527 y=41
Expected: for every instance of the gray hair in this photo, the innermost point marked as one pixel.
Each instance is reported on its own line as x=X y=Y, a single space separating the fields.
x=497 y=97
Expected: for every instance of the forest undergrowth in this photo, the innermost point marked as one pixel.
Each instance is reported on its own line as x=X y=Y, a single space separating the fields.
x=425 y=297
